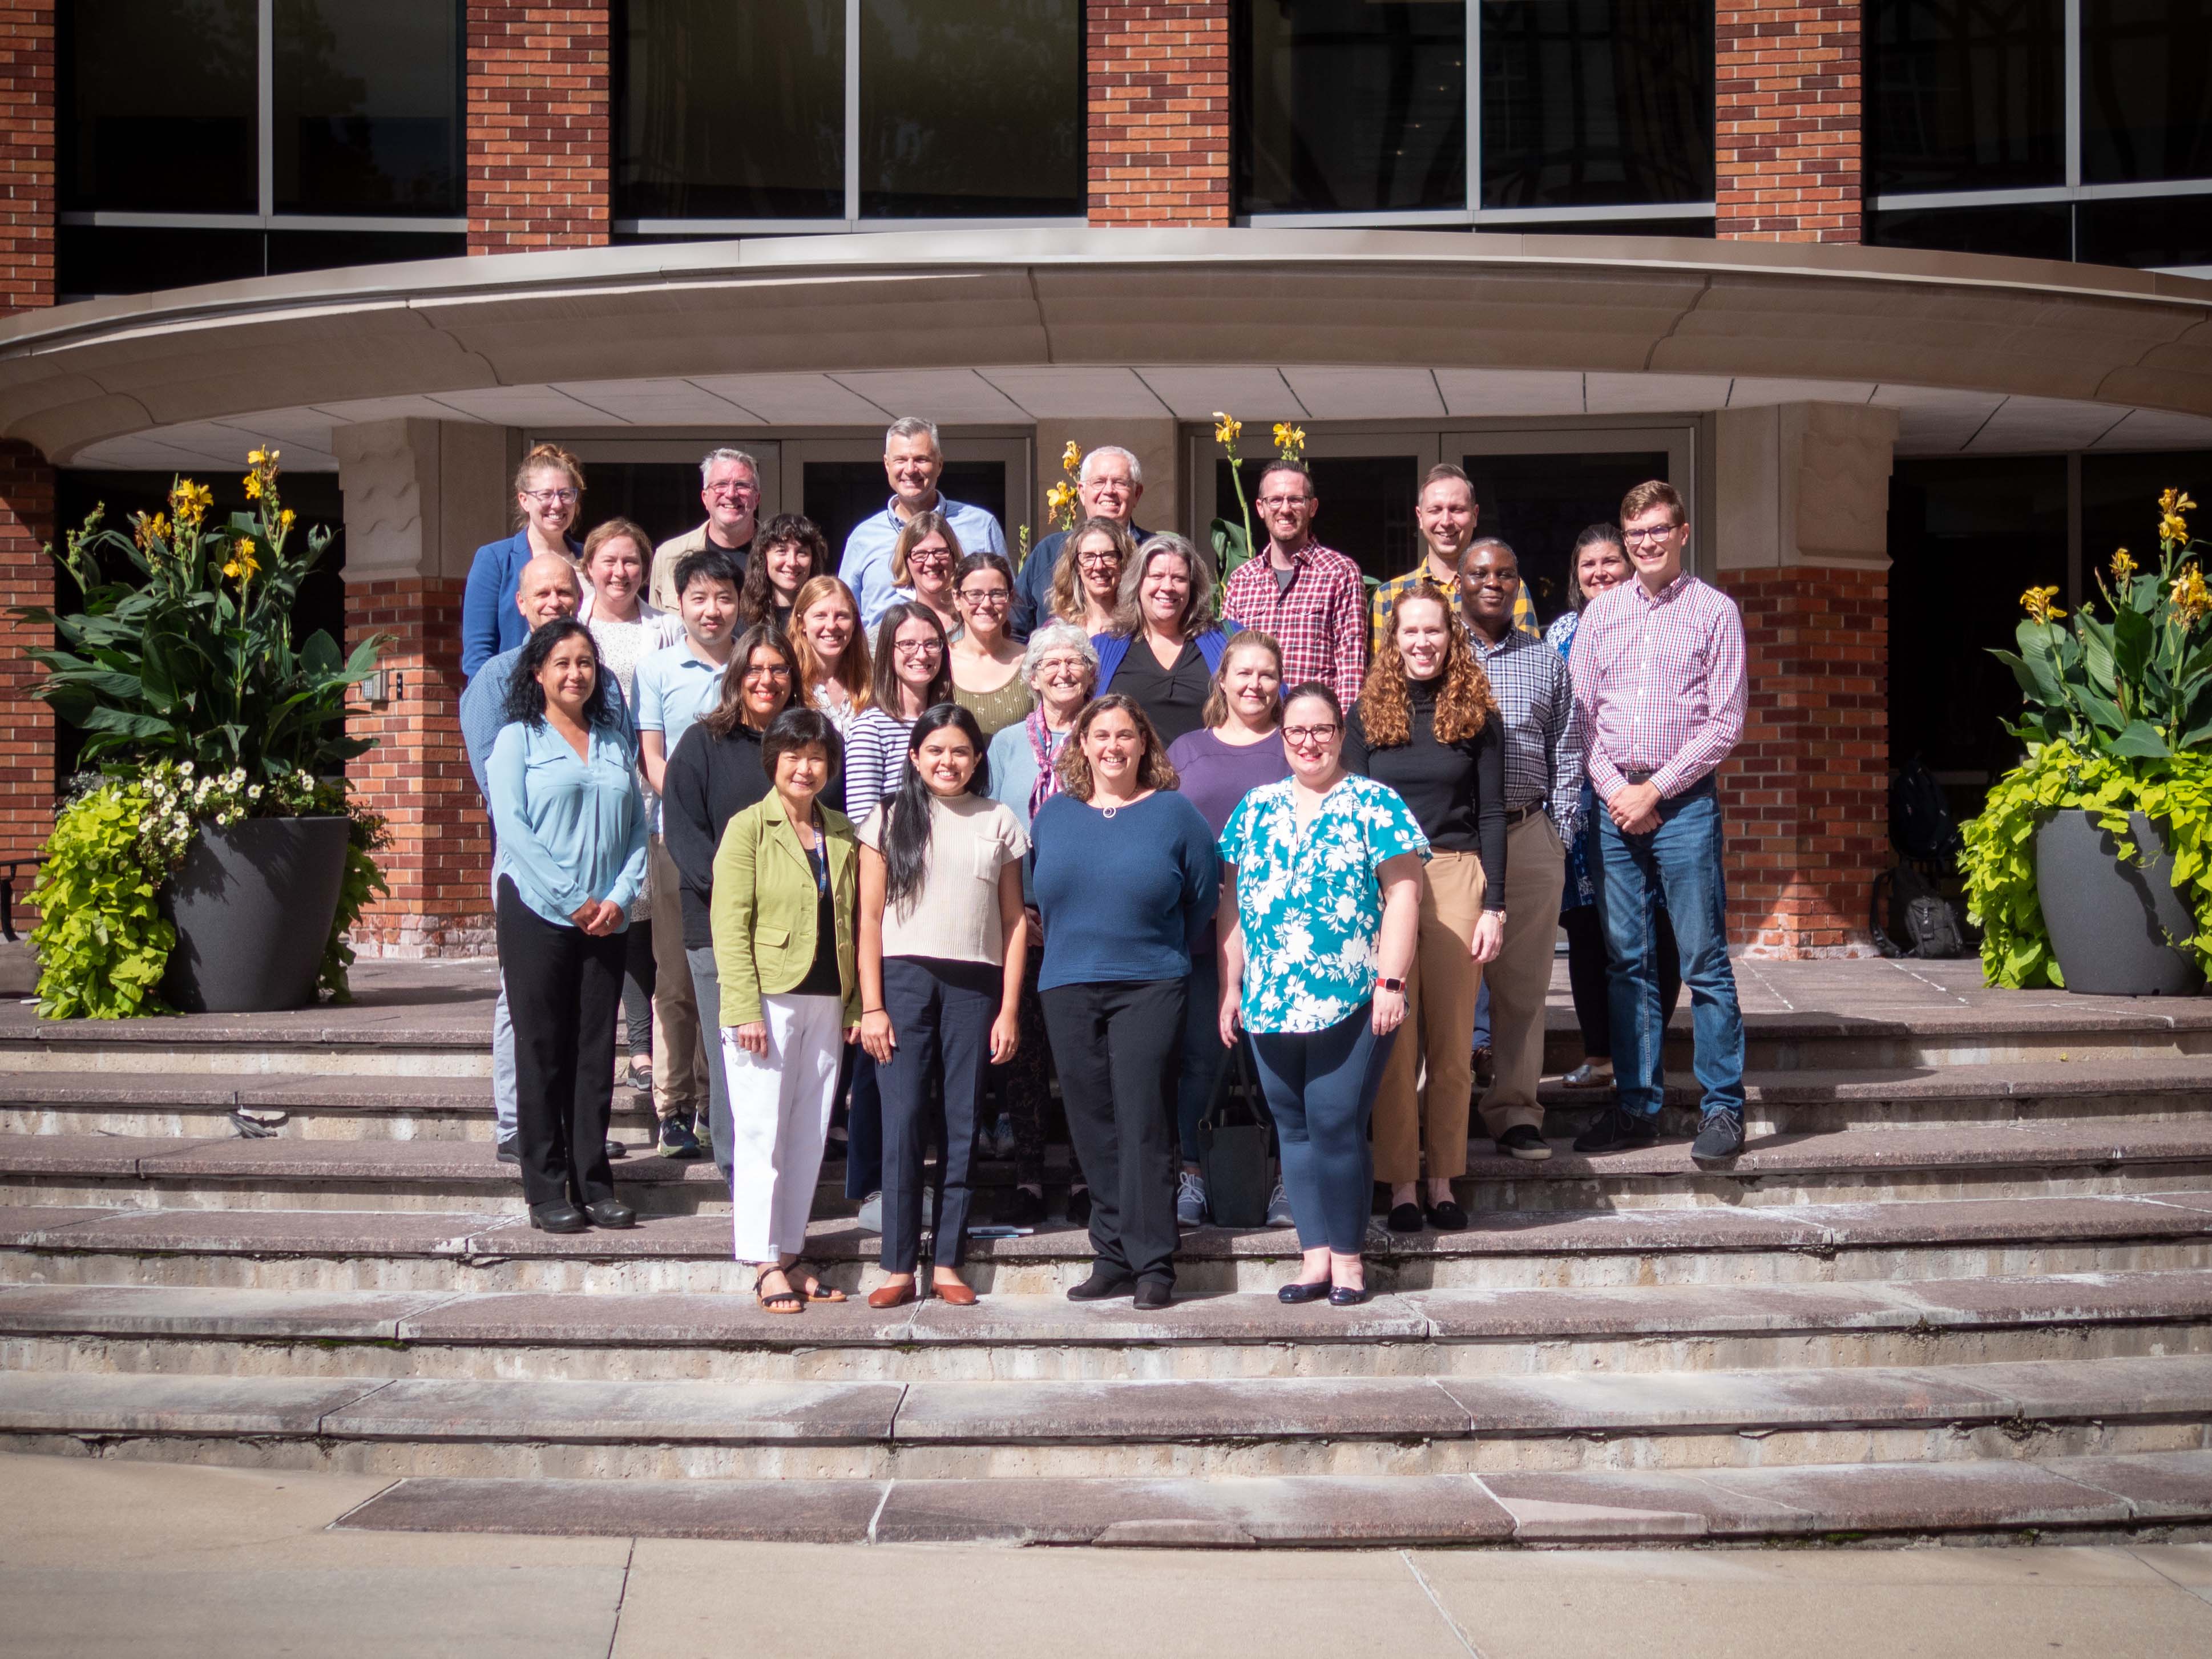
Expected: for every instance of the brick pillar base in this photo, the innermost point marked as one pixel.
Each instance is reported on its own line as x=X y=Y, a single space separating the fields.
x=1806 y=792
x=439 y=863
x=26 y=725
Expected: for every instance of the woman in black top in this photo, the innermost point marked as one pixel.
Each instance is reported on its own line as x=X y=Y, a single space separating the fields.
x=1428 y=724
x=1165 y=645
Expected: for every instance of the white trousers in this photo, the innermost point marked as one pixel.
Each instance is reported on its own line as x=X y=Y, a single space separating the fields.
x=779 y=1106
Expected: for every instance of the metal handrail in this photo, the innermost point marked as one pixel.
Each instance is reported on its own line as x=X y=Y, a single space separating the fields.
x=8 y=869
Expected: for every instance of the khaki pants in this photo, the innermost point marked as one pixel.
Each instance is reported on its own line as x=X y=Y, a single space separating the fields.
x=1521 y=977
x=1439 y=1030
x=679 y=1059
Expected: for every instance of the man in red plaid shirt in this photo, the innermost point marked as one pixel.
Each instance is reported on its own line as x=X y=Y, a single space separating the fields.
x=1310 y=597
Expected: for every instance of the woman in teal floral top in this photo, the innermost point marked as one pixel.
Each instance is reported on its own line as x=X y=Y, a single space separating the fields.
x=1324 y=888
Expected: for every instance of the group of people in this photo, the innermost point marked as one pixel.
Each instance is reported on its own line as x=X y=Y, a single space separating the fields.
x=928 y=828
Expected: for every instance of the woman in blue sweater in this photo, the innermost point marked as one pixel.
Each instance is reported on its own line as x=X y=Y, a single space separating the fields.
x=1126 y=876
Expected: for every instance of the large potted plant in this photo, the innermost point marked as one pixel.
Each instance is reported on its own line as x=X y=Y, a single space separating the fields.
x=2091 y=865
x=211 y=857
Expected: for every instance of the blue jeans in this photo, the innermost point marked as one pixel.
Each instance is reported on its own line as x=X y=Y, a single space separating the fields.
x=1681 y=860
x=1320 y=1090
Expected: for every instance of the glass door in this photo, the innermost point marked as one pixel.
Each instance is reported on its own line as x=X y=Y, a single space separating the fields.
x=1366 y=482
x=838 y=482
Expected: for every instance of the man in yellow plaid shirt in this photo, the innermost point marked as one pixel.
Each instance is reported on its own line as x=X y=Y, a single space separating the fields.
x=1446 y=516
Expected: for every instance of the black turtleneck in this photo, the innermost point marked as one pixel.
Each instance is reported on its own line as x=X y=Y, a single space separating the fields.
x=1457 y=790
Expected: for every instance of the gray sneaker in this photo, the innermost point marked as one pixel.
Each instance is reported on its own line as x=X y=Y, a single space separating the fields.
x=1719 y=1138
x=1279 y=1208
x=1190 y=1201
x=872 y=1213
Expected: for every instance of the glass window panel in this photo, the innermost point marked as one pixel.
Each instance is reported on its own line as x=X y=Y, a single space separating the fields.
x=1591 y=101
x=95 y=259
x=2039 y=230
x=1538 y=504
x=1611 y=227
x=838 y=494
x=2146 y=92
x=157 y=105
x=367 y=107
x=331 y=250
x=2146 y=233
x=1354 y=105
x=1966 y=94
x=971 y=109
x=732 y=110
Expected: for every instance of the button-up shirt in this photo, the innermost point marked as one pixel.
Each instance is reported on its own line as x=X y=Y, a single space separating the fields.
x=1544 y=740
x=867 y=567
x=1320 y=620
x=570 y=829
x=1660 y=680
x=484 y=712
x=1389 y=596
x=675 y=686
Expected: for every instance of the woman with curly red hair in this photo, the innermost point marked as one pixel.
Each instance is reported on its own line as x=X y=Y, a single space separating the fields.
x=1428 y=724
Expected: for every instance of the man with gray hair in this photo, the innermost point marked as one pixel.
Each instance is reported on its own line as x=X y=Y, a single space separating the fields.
x=913 y=461
x=1110 y=485
x=729 y=487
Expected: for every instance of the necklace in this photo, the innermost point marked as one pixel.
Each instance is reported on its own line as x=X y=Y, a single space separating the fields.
x=1108 y=812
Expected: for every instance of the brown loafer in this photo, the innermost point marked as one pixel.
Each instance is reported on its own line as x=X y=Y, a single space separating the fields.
x=955 y=1294
x=891 y=1296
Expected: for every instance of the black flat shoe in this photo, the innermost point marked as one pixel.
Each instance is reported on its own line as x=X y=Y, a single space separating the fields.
x=558 y=1217
x=1154 y=1294
x=1347 y=1296
x=1079 y=1207
x=1404 y=1219
x=1618 y=1131
x=611 y=1212
x=507 y=1152
x=1102 y=1283
x=1447 y=1217
x=615 y=1149
x=1294 y=1294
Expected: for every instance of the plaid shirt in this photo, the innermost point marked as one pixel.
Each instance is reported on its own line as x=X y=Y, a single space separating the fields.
x=1318 y=623
x=1660 y=680
x=1390 y=593
x=1544 y=729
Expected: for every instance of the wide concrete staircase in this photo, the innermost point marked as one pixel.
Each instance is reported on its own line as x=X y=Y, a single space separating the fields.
x=1956 y=1285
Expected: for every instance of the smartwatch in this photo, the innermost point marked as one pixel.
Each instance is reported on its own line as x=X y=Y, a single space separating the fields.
x=1383 y=984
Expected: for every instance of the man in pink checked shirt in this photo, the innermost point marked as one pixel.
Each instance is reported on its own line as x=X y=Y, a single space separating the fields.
x=1658 y=667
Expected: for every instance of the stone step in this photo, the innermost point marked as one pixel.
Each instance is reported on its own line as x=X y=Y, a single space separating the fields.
x=1170 y=1427
x=2061 y=1157
x=309 y=1106
x=2148 y=1495
x=94 y=1329
x=447 y=1251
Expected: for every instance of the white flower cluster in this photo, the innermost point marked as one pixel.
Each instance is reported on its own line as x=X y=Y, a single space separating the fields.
x=179 y=798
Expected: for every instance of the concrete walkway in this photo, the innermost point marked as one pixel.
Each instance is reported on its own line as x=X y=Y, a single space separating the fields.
x=100 y=1558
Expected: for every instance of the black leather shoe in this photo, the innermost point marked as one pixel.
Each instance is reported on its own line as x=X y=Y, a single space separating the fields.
x=611 y=1212
x=1618 y=1131
x=1294 y=1294
x=615 y=1149
x=1347 y=1296
x=1404 y=1219
x=558 y=1217
x=1079 y=1207
x=1103 y=1283
x=1154 y=1293
x=507 y=1154
x=1447 y=1217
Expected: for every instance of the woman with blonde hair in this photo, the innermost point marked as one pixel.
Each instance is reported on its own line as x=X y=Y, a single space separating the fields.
x=1428 y=724
x=923 y=560
x=1165 y=645
x=548 y=490
x=1086 y=588
x=829 y=652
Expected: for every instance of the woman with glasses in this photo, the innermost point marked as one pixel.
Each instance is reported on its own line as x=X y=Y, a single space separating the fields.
x=1323 y=897
x=829 y=653
x=1428 y=724
x=716 y=773
x=548 y=487
x=987 y=662
x=922 y=563
x=1165 y=647
x=1086 y=588
x=787 y=555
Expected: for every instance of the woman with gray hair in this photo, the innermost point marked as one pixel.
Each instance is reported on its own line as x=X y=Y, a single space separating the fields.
x=1164 y=646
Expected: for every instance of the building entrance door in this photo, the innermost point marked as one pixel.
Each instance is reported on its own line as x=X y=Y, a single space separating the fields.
x=655 y=482
x=838 y=482
x=1537 y=498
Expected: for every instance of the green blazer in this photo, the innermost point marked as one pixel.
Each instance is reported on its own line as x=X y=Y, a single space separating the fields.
x=763 y=908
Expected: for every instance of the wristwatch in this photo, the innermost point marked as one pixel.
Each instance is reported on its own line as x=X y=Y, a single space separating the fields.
x=1384 y=984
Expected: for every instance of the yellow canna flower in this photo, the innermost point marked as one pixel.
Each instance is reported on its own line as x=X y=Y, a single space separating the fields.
x=242 y=566
x=1072 y=457
x=1226 y=429
x=2122 y=566
x=284 y=518
x=149 y=528
x=2190 y=597
x=191 y=501
x=1289 y=440
x=255 y=458
x=2173 y=500
x=253 y=486
x=2037 y=602
x=2173 y=528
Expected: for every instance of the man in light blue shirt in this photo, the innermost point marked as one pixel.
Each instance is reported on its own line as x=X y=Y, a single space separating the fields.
x=675 y=686
x=913 y=461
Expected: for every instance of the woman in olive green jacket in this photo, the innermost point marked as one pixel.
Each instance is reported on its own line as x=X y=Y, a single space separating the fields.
x=787 y=881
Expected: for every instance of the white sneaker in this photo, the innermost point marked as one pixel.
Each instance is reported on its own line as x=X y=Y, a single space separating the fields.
x=1190 y=1201
x=872 y=1213
x=1279 y=1208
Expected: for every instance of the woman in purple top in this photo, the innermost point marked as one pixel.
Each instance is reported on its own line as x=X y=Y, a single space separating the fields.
x=1239 y=748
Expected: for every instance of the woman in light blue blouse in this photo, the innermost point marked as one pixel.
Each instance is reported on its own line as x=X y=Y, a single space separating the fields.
x=571 y=857
x=1323 y=897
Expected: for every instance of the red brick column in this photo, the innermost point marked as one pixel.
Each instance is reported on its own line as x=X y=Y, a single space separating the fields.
x=1157 y=79
x=418 y=777
x=1806 y=793
x=27 y=155
x=540 y=126
x=1787 y=114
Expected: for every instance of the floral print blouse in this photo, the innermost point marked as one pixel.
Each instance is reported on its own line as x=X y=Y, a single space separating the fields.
x=1308 y=901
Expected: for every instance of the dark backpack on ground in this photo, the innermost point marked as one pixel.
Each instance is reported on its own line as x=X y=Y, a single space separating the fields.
x=1921 y=826
x=1913 y=911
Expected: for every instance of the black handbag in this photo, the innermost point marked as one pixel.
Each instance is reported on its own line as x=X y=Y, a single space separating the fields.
x=1233 y=1146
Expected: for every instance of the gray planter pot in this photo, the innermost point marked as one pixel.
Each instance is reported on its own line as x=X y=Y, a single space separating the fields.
x=253 y=905
x=2110 y=918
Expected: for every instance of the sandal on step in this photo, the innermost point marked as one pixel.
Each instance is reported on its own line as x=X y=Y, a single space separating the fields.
x=815 y=1289
x=785 y=1301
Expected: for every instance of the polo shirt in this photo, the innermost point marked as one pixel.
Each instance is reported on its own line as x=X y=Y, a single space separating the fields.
x=674 y=688
x=867 y=567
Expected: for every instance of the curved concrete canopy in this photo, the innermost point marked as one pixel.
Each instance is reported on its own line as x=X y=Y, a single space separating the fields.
x=1014 y=325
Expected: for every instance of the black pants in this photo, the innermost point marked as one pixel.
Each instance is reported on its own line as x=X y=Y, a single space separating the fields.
x=563 y=988
x=638 y=979
x=941 y=1013
x=1119 y=1049
x=1586 y=975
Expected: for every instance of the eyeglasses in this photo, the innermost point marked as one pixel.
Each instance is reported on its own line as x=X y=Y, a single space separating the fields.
x=771 y=671
x=1108 y=561
x=1492 y=578
x=929 y=556
x=1658 y=535
x=985 y=596
x=1304 y=735
x=1110 y=486
x=917 y=647
x=552 y=497
x=1074 y=666
x=733 y=490
x=1272 y=503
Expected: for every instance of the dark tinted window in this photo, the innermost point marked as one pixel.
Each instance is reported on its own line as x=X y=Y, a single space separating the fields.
x=972 y=109
x=2145 y=232
x=2120 y=505
x=838 y=494
x=1366 y=508
x=733 y=111
x=367 y=110
x=2146 y=90
x=1966 y=94
x=1589 y=102
x=1350 y=106
x=1538 y=504
x=157 y=105
x=91 y=260
x=1625 y=227
x=327 y=250
x=2041 y=230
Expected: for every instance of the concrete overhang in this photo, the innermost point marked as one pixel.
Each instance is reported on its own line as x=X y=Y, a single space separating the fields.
x=1009 y=325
